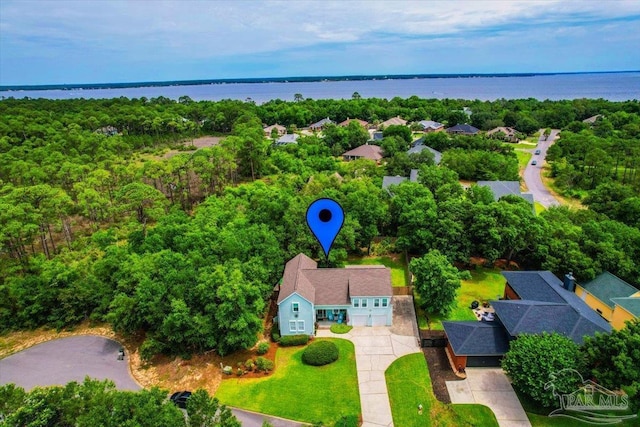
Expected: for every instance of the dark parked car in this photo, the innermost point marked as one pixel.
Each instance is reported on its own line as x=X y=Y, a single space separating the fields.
x=537 y=151
x=535 y=162
x=180 y=398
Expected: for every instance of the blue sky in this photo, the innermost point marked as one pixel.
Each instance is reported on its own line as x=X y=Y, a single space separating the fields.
x=100 y=41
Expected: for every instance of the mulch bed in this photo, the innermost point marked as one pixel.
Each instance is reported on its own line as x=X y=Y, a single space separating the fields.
x=440 y=371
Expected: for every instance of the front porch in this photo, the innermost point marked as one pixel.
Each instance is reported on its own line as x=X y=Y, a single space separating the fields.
x=325 y=317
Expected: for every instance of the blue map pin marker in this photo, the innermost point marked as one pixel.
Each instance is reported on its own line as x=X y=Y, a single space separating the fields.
x=325 y=218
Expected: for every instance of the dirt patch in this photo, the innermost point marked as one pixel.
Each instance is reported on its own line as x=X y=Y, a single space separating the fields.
x=198 y=143
x=169 y=373
x=440 y=372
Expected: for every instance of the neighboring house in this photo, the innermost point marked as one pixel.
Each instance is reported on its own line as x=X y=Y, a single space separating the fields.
x=360 y=122
x=393 y=121
x=269 y=130
x=396 y=180
x=318 y=126
x=366 y=151
x=418 y=145
x=591 y=120
x=506 y=188
x=533 y=302
x=606 y=293
x=463 y=129
x=107 y=130
x=375 y=135
x=429 y=126
x=510 y=134
x=627 y=309
x=290 y=138
x=357 y=296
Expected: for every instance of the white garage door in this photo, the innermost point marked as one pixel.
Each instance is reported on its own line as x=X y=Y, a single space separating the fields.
x=359 y=320
x=379 y=320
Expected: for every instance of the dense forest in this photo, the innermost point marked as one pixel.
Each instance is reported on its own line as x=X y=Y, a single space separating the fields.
x=99 y=221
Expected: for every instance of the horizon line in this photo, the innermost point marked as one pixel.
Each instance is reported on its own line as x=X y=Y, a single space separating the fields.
x=289 y=79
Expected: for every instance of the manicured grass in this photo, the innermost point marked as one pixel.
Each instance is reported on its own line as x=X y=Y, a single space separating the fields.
x=300 y=392
x=399 y=274
x=539 y=208
x=486 y=284
x=409 y=384
x=523 y=158
x=340 y=328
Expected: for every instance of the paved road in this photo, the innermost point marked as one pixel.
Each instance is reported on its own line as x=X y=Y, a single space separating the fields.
x=64 y=360
x=532 y=174
x=61 y=361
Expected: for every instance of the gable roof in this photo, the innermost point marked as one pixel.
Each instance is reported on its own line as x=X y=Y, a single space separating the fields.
x=632 y=305
x=592 y=119
x=463 y=128
x=534 y=285
x=280 y=128
x=430 y=124
x=607 y=286
x=321 y=123
x=506 y=188
x=418 y=146
x=472 y=338
x=392 y=180
x=360 y=122
x=394 y=121
x=372 y=152
x=534 y=317
x=290 y=138
x=506 y=130
x=332 y=286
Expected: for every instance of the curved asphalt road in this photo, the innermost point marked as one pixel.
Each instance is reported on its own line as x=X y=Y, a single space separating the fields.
x=61 y=361
x=532 y=174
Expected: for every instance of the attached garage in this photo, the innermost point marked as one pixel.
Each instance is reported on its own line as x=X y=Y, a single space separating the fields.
x=359 y=320
x=378 y=320
x=475 y=344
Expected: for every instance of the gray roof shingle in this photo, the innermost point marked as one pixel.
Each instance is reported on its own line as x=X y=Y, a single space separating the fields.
x=506 y=188
x=473 y=338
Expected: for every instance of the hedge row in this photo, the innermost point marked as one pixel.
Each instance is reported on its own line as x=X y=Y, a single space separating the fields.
x=291 y=340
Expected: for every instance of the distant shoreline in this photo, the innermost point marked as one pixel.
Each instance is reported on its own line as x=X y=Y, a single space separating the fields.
x=308 y=79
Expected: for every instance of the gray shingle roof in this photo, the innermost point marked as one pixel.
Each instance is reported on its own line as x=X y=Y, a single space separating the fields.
x=332 y=286
x=477 y=338
x=418 y=146
x=430 y=124
x=506 y=188
x=607 y=286
x=290 y=138
x=534 y=285
x=321 y=123
x=463 y=128
x=413 y=175
x=392 y=180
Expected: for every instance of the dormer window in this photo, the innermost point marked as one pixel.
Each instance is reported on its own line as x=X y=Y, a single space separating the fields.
x=295 y=307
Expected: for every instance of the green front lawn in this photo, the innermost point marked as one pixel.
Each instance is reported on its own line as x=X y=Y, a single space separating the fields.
x=486 y=284
x=409 y=384
x=298 y=391
x=399 y=273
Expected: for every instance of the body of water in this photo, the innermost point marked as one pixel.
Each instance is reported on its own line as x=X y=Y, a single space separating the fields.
x=610 y=86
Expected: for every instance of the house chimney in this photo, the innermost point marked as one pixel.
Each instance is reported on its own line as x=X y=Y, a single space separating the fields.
x=569 y=282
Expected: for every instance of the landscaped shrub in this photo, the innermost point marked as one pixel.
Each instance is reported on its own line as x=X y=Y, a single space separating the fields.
x=347 y=421
x=291 y=340
x=264 y=364
x=263 y=347
x=320 y=353
x=275 y=335
x=340 y=328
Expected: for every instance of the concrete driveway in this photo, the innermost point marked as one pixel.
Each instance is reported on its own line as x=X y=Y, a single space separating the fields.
x=376 y=348
x=490 y=387
x=532 y=174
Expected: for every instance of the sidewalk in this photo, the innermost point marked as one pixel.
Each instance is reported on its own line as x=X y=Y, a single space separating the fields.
x=376 y=348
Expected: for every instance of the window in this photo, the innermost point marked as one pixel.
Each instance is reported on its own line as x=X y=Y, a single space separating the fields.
x=385 y=302
x=292 y=326
x=295 y=307
x=356 y=302
x=300 y=325
x=364 y=303
x=376 y=302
